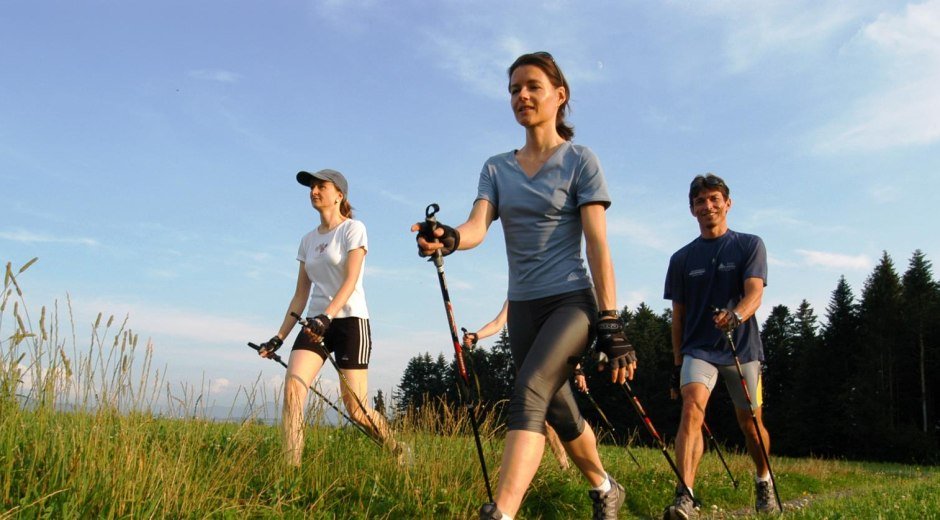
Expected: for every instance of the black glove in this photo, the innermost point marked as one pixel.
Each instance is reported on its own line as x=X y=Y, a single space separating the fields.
x=613 y=343
x=674 y=379
x=271 y=345
x=734 y=319
x=450 y=239
x=472 y=336
x=319 y=324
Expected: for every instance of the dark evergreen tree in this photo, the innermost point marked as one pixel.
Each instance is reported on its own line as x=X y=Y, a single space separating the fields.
x=796 y=435
x=821 y=384
x=873 y=408
x=778 y=336
x=504 y=372
x=424 y=381
x=378 y=402
x=920 y=347
x=650 y=336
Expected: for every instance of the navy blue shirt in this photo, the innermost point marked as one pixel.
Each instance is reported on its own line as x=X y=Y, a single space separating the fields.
x=709 y=273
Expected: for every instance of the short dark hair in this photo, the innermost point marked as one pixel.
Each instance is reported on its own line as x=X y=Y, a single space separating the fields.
x=707 y=181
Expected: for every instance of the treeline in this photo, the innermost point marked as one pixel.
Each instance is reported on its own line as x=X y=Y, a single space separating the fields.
x=860 y=383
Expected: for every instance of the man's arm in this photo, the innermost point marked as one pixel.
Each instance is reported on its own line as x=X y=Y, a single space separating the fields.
x=753 y=294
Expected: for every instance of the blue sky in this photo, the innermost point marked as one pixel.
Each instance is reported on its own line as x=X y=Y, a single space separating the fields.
x=148 y=150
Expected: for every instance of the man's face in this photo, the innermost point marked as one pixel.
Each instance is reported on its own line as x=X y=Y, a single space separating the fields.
x=710 y=208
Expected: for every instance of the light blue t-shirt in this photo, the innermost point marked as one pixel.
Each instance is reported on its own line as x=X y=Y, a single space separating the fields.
x=541 y=218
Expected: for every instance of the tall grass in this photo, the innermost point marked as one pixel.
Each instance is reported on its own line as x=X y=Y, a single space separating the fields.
x=92 y=429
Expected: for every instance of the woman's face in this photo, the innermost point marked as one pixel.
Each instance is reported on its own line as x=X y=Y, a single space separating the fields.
x=323 y=194
x=534 y=100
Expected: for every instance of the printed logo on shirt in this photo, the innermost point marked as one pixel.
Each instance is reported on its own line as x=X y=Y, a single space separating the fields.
x=726 y=267
x=321 y=248
x=573 y=277
x=696 y=272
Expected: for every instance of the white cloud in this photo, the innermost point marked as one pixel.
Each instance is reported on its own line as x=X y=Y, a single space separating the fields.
x=218 y=75
x=779 y=262
x=477 y=49
x=638 y=233
x=769 y=217
x=401 y=199
x=883 y=194
x=21 y=235
x=905 y=112
x=835 y=260
x=219 y=385
x=757 y=30
x=178 y=322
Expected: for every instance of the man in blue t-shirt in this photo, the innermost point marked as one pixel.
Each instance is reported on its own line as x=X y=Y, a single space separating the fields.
x=716 y=283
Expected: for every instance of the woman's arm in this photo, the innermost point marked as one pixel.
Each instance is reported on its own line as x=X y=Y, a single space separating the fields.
x=297 y=303
x=472 y=232
x=354 y=261
x=494 y=326
x=594 y=222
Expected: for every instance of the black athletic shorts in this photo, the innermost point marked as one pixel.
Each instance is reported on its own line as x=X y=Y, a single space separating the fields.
x=348 y=339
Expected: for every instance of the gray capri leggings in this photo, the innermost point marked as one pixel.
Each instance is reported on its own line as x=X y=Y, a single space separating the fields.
x=547 y=337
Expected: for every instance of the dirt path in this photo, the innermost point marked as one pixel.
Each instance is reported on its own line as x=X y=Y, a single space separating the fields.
x=789 y=506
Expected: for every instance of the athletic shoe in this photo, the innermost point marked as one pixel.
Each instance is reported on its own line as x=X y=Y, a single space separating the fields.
x=683 y=507
x=488 y=511
x=766 y=502
x=606 y=505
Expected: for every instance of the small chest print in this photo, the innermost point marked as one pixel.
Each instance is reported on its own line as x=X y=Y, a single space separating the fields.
x=320 y=249
x=729 y=266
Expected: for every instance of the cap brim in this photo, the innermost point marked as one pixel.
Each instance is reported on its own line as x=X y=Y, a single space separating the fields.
x=305 y=178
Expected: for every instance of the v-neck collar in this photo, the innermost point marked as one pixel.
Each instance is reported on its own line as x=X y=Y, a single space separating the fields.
x=515 y=160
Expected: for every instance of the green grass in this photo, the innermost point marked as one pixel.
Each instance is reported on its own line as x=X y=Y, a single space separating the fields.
x=112 y=456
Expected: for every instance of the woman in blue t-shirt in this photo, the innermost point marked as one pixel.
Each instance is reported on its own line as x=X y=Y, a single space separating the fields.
x=548 y=194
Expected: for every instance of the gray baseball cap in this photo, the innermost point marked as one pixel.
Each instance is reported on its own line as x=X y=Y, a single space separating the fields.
x=333 y=176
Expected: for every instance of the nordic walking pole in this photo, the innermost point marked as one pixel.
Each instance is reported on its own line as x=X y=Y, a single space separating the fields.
x=274 y=357
x=430 y=223
x=747 y=395
x=610 y=425
x=650 y=428
x=718 y=451
x=342 y=376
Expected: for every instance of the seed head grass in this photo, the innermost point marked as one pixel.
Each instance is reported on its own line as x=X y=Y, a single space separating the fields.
x=90 y=429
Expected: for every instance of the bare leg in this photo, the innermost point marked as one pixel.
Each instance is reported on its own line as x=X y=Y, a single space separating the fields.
x=359 y=381
x=521 y=458
x=689 y=441
x=301 y=369
x=750 y=436
x=583 y=451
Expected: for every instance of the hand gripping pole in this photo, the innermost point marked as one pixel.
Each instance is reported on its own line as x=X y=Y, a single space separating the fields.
x=430 y=223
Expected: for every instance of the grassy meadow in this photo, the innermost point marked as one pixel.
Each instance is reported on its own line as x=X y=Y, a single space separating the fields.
x=81 y=437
